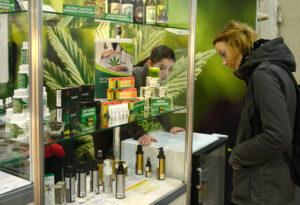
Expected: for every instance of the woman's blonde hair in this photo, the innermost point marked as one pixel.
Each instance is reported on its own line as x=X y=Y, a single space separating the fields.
x=239 y=38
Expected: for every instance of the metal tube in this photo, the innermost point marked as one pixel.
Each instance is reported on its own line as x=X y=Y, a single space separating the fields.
x=117 y=143
x=36 y=98
x=190 y=99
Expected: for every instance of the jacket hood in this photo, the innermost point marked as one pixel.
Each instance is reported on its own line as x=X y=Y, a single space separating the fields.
x=274 y=51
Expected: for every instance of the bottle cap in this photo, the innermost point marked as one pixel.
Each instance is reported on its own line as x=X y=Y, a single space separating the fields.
x=9 y=111
x=70 y=169
x=25 y=44
x=161 y=152
x=120 y=168
x=107 y=169
x=139 y=148
x=94 y=165
x=23 y=67
x=148 y=162
x=81 y=166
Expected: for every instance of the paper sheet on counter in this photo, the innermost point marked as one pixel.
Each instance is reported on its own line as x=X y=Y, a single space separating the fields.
x=10 y=182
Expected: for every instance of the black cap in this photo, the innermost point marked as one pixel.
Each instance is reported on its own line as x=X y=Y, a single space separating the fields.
x=161 y=153
x=81 y=166
x=94 y=165
x=139 y=148
x=120 y=168
x=148 y=162
x=69 y=171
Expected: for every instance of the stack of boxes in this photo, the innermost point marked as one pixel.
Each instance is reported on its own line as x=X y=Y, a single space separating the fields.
x=156 y=96
x=77 y=104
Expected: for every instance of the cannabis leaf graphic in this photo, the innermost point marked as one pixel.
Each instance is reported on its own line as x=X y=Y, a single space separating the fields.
x=114 y=61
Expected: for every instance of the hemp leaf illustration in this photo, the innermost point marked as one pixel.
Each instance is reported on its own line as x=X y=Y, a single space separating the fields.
x=114 y=61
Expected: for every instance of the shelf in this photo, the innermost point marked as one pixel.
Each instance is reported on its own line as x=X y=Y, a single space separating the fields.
x=92 y=21
x=105 y=123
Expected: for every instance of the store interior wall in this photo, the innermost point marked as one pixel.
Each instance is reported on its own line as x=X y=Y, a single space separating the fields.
x=289 y=29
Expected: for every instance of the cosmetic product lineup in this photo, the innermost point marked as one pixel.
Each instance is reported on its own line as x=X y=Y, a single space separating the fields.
x=152 y=12
x=14 y=110
x=102 y=176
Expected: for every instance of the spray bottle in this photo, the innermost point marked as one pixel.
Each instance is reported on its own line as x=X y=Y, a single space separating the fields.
x=70 y=184
x=100 y=166
x=81 y=180
x=139 y=165
x=107 y=176
x=148 y=170
x=120 y=182
x=161 y=160
x=94 y=174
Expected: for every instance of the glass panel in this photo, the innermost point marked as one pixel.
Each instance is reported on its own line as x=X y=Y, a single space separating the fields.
x=14 y=97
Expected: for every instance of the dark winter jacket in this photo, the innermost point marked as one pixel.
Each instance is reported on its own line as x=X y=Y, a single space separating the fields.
x=262 y=176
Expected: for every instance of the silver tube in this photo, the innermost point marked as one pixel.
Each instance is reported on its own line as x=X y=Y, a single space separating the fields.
x=36 y=98
x=190 y=99
x=117 y=143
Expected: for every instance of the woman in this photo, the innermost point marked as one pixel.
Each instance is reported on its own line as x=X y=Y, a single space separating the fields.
x=164 y=58
x=260 y=173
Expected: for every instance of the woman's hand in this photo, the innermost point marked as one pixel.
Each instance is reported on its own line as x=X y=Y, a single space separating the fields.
x=109 y=53
x=174 y=130
x=145 y=140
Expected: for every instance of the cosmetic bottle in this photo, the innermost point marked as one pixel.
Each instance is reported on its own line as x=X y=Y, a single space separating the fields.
x=161 y=160
x=120 y=182
x=94 y=176
x=148 y=168
x=111 y=156
x=107 y=176
x=139 y=165
x=81 y=180
x=70 y=183
x=100 y=166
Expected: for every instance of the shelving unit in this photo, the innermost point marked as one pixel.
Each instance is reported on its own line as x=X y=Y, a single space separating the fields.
x=39 y=23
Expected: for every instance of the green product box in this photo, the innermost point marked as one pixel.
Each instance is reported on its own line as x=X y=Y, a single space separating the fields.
x=160 y=104
x=63 y=115
x=87 y=92
x=137 y=107
x=90 y=111
x=75 y=93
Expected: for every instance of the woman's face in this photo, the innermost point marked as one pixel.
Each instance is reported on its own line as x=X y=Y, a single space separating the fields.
x=225 y=53
x=165 y=65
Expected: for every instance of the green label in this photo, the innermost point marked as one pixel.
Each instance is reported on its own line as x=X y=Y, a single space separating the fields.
x=22 y=80
x=19 y=105
x=128 y=47
x=139 y=107
x=75 y=10
x=118 y=17
x=24 y=56
x=160 y=105
x=88 y=115
x=127 y=9
x=7 y=5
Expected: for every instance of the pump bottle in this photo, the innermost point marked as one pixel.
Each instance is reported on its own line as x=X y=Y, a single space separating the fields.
x=94 y=176
x=139 y=165
x=161 y=160
x=81 y=180
x=70 y=184
x=148 y=170
x=120 y=182
x=100 y=166
x=107 y=176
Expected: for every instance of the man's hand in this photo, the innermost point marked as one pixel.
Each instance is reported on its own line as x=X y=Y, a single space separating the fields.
x=174 y=130
x=145 y=140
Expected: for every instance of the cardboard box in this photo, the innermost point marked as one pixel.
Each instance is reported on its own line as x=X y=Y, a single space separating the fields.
x=87 y=92
x=90 y=111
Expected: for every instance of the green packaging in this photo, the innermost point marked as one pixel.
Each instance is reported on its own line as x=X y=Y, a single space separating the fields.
x=87 y=92
x=154 y=72
x=160 y=104
x=90 y=111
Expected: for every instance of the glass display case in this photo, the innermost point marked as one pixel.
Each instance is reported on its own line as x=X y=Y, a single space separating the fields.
x=82 y=100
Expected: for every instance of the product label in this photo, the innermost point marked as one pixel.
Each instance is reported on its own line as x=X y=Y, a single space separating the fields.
x=82 y=194
x=88 y=114
x=24 y=56
x=139 y=172
x=150 y=14
x=20 y=104
x=162 y=14
x=75 y=10
x=127 y=9
x=22 y=80
x=120 y=195
x=67 y=180
x=138 y=14
x=7 y=5
x=162 y=176
x=2 y=120
x=58 y=98
x=115 y=8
